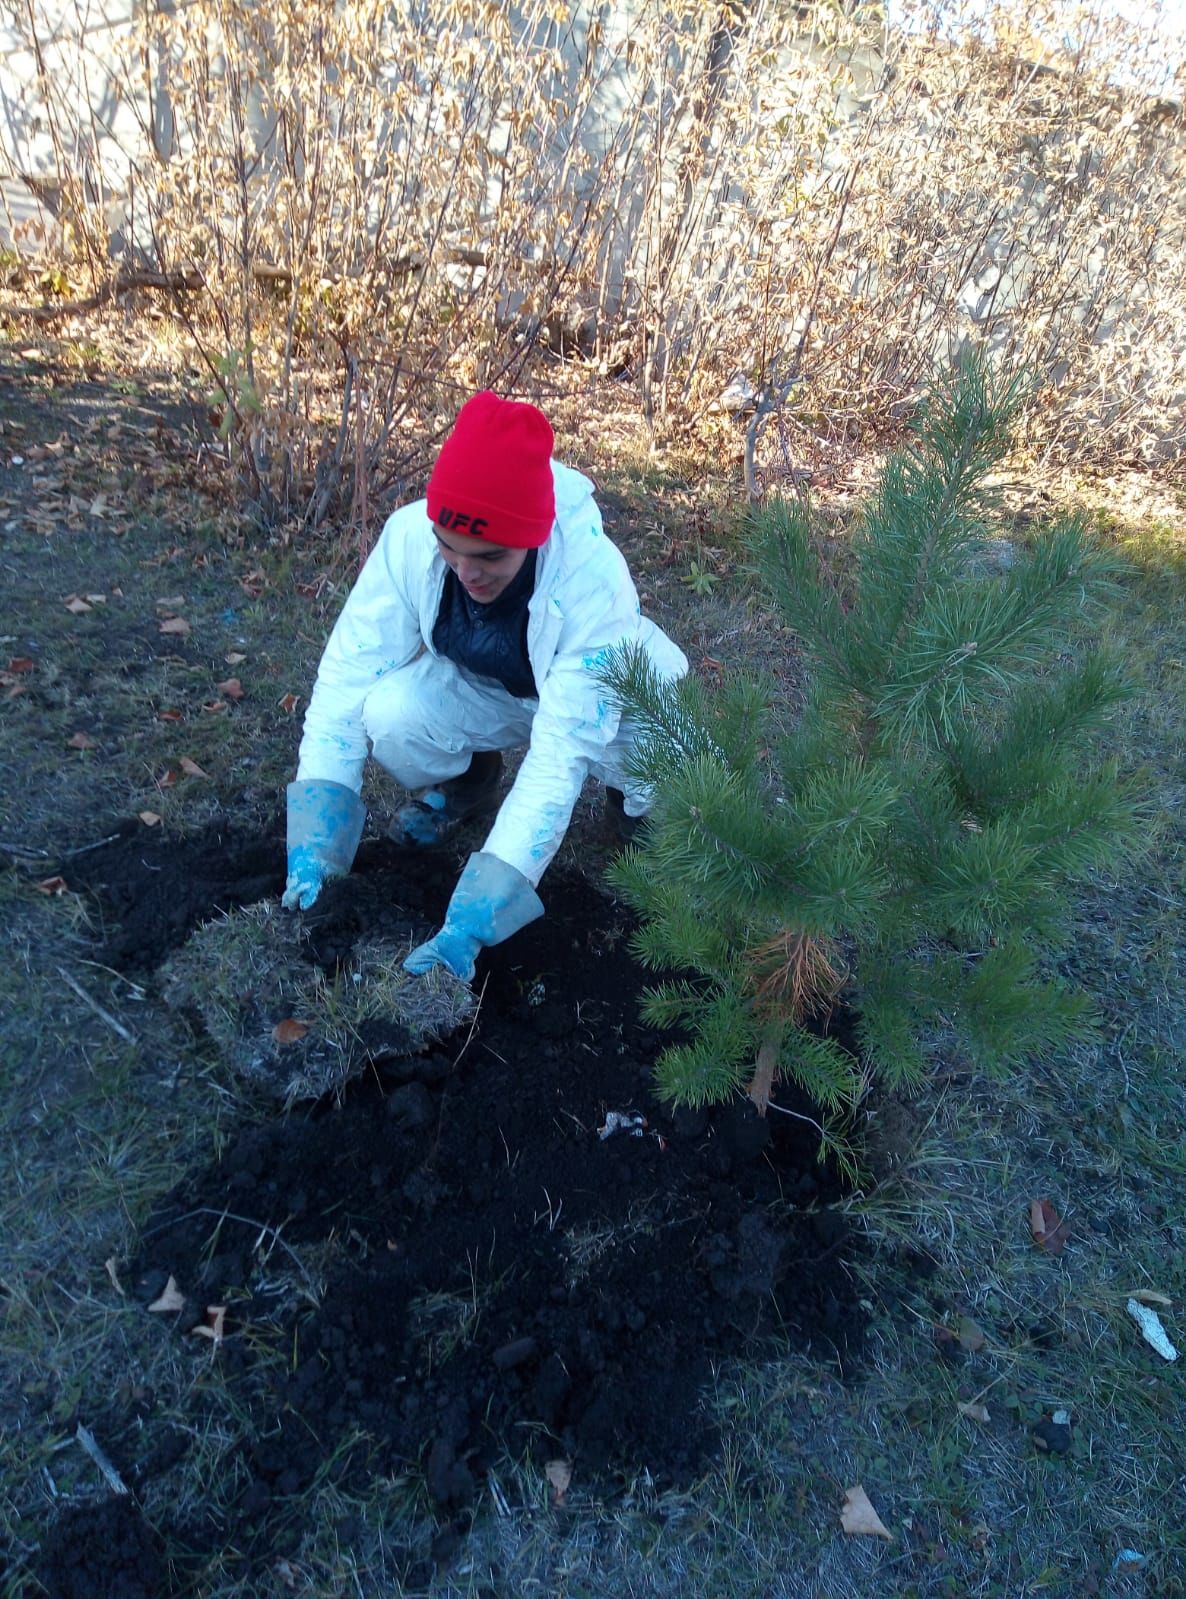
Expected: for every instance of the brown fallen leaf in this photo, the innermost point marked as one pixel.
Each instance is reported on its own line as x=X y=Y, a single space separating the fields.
x=289 y=1031
x=213 y=707
x=191 y=768
x=971 y=1335
x=235 y=658
x=176 y=624
x=1049 y=1230
x=110 y=1267
x=77 y=606
x=21 y=663
x=52 y=885
x=212 y=1327
x=289 y=703
x=169 y=716
x=973 y=1412
x=858 y=1517
x=171 y=602
x=1150 y=1296
x=559 y=1474
x=167 y=779
x=169 y=1298
x=149 y=818
x=95 y=599
x=232 y=689
x=81 y=741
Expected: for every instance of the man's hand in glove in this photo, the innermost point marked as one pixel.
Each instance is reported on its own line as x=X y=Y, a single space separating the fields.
x=324 y=827
x=308 y=874
x=492 y=900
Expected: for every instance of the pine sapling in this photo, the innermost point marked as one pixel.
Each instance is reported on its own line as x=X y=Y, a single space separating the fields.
x=908 y=848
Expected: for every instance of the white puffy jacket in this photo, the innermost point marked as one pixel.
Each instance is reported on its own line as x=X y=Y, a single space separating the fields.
x=584 y=603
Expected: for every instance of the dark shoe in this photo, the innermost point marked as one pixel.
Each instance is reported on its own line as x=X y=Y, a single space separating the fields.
x=626 y=829
x=437 y=812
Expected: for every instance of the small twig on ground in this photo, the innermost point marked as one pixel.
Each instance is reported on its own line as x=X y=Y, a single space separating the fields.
x=798 y=1115
x=496 y=1493
x=87 y=1439
x=95 y=1006
x=137 y=989
x=246 y=1221
x=85 y=849
x=22 y=849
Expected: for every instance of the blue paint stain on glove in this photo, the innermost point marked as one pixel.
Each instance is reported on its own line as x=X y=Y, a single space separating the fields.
x=492 y=900
x=325 y=822
x=308 y=874
x=452 y=948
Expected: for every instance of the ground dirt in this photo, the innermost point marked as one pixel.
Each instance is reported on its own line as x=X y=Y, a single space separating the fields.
x=510 y=1280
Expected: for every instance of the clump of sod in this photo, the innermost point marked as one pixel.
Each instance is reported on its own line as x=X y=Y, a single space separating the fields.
x=286 y=1027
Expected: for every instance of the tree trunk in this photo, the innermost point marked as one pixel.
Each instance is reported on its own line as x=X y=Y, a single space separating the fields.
x=766 y=1068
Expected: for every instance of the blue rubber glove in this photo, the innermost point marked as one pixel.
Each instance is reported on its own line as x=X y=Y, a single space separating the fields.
x=324 y=826
x=452 y=948
x=492 y=900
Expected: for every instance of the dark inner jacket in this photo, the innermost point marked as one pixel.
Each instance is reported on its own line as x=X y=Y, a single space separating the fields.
x=489 y=641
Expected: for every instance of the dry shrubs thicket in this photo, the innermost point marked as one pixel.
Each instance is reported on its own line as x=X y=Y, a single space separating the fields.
x=363 y=210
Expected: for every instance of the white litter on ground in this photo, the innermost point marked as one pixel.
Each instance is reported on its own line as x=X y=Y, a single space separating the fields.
x=619 y=1121
x=1152 y=1331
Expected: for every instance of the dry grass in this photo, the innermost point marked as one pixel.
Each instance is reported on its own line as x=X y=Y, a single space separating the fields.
x=245 y=976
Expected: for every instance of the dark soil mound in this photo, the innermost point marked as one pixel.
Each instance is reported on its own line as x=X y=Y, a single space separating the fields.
x=505 y=1277
x=104 y=1550
x=152 y=889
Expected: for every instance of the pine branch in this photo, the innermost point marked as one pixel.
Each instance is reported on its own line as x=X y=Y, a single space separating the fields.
x=671 y=715
x=1038 y=734
x=1006 y=1015
x=782 y=543
x=823 y=1069
x=1079 y=825
x=708 y=1068
x=962 y=431
x=984 y=637
x=887 y=1029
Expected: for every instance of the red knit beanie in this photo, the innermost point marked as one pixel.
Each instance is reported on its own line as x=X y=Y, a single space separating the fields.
x=493 y=477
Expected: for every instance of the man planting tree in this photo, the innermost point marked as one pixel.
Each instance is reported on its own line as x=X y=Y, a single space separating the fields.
x=479 y=624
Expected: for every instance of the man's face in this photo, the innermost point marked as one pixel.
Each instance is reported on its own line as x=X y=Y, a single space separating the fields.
x=483 y=569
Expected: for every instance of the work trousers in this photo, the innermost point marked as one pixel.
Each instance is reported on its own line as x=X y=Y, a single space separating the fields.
x=426 y=720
